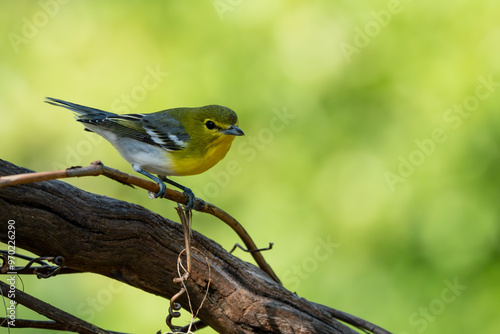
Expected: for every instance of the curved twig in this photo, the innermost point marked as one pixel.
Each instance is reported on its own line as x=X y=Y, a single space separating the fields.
x=45 y=270
x=96 y=168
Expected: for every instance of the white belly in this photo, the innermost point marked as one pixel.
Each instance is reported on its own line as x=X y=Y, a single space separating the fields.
x=151 y=158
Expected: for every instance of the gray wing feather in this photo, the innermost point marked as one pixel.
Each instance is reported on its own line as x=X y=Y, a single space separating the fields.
x=167 y=132
x=154 y=129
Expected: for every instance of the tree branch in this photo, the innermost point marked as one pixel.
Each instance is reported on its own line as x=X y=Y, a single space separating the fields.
x=96 y=168
x=62 y=320
x=128 y=243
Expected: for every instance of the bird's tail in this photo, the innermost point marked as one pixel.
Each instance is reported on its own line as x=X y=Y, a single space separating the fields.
x=84 y=114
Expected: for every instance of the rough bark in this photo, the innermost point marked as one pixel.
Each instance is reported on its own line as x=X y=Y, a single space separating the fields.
x=126 y=242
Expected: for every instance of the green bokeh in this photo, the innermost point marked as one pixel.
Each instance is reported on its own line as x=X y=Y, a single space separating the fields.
x=369 y=87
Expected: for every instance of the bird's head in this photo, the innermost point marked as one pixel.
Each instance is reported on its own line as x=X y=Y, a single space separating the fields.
x=213 y=124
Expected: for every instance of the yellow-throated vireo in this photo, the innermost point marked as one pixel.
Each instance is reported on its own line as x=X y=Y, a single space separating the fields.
x=172 y=142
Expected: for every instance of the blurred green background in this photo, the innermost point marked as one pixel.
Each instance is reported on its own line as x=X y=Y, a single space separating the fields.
x=371 y=151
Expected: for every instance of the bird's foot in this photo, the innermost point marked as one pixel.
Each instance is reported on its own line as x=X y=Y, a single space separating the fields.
x=161 y=193
x=191 y=199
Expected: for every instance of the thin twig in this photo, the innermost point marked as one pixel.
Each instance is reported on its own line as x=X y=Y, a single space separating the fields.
x=43 y=324
x=194 y=327
x=96 y=168
x=45 y=270
x=208 y=284
x=186 y=217
x=51 y=312
x=175 y=306
x=251 y=250
x=355 y=321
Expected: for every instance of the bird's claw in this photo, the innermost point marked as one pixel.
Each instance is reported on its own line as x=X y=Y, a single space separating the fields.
x=161 y=193
x=191 y=199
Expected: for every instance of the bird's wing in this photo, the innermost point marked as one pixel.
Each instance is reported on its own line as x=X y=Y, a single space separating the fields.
x=156 y=129
x=95 y=119
x=165 y=131
x=141 y=127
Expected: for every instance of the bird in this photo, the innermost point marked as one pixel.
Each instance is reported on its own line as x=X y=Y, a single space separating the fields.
x=172 y=142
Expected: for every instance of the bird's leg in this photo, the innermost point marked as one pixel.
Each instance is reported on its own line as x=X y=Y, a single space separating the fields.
x=163 y=188
x=186 y=191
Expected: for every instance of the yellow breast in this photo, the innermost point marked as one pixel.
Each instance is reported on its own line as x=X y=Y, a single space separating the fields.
x=191 y=163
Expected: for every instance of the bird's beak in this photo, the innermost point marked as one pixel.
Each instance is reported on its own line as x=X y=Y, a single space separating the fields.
x=233 y=130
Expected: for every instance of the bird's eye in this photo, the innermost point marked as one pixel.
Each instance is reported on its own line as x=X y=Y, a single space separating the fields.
x=210 y=125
